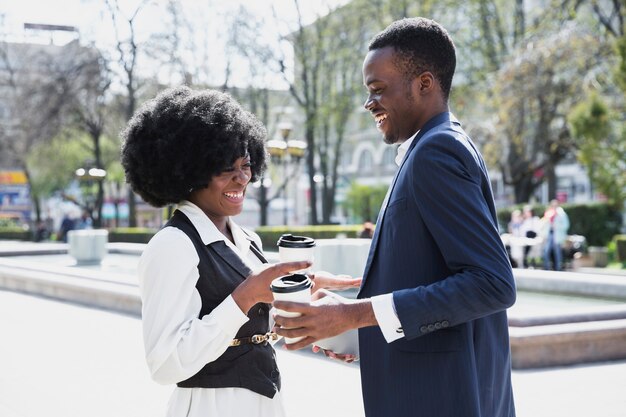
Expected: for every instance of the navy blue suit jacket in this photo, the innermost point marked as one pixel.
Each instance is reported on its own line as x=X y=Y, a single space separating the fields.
x=438 y=250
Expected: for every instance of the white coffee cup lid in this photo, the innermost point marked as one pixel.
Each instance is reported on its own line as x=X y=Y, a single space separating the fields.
x=291 y=241
x=291 y=283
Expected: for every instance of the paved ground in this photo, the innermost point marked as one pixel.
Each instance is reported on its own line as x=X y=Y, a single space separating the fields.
x=64 y=360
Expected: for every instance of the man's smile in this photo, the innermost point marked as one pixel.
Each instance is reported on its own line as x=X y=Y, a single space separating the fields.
x=380 y=119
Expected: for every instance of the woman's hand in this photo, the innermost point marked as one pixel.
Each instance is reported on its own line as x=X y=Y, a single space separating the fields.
x=329 y=281
x=256 y=288
x=336 y=356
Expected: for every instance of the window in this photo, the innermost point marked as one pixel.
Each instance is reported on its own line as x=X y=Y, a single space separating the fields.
x=366 y=161
x=389 y=157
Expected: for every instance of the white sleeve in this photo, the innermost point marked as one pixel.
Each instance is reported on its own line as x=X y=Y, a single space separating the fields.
x=177 y=343
x=386 y=316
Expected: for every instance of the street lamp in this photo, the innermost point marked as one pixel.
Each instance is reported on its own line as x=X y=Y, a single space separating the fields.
x=88 y=174
x=115 y=192
x=286 y=152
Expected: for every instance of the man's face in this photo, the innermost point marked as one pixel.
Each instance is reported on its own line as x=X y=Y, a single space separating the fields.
x=391 y=97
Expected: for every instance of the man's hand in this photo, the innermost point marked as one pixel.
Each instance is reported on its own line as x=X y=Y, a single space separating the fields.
x=327 y=316
x=256 y=288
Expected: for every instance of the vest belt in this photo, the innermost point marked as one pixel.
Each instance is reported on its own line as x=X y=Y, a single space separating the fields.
x=255 y=339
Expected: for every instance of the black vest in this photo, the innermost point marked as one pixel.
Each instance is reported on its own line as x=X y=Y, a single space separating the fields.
x=246 y=366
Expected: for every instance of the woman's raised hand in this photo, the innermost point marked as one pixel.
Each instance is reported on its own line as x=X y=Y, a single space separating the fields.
x=256 y=288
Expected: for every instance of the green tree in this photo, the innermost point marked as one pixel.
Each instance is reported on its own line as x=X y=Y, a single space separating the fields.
x=601 y=151
x=363 y=202
x=340 y=88
x=536 y=90
x=129 y=50
x=53 y=163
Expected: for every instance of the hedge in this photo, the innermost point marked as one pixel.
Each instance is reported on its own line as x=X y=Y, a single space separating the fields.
x=131 y=234
x=597 y=222
x=14 y=233
x=269 y=234
x=620 y=247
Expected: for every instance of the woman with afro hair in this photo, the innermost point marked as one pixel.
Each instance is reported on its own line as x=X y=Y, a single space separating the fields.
x=205 y=313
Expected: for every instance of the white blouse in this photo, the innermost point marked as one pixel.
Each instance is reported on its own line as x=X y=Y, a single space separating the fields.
x=178 y=343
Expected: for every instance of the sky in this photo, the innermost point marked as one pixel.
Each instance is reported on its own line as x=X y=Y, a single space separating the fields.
x=209 y=18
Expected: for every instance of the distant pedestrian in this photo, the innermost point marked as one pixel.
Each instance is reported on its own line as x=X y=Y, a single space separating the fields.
x=41 y=232
x=85 y=221
x=515 y=224
x=554 y=231
x=530 y=229
x=368 y=230
x=67 y=224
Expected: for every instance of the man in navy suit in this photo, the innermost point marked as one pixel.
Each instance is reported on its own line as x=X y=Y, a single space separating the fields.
x=431 y=313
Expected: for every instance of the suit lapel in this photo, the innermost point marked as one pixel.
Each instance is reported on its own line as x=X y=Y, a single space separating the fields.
x=381 y=214
x=432 y=123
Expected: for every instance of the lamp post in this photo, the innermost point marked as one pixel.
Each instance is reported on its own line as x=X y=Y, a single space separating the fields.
x=286 y=152
x=116 y=191
x=88 y=175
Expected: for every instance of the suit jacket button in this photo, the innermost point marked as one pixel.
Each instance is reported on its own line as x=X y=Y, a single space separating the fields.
x=261 y=311
x=445 y=323
x=438 y=325
x=431 y=328
x=424 y=329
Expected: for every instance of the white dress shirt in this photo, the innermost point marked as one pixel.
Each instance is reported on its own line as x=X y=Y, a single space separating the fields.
x=384 y=309
x=178 y=343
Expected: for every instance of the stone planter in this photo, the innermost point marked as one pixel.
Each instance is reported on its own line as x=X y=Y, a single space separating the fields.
x=600 y=256
x=88 y=246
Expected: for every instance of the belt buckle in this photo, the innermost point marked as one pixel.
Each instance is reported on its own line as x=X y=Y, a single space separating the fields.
x=257 y=339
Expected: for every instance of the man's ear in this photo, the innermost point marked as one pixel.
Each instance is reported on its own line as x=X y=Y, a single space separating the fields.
x=426 y=82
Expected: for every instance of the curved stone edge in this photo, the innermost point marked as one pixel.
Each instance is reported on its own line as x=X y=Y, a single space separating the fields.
x=100 y=294
x=568 y=344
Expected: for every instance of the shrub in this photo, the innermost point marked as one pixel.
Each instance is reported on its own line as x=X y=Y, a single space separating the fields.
x=131 y=234
x=14 y=233
x=620 y=248
x=598 y=222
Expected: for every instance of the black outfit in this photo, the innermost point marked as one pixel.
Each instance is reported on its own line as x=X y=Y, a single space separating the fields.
x=248 y=366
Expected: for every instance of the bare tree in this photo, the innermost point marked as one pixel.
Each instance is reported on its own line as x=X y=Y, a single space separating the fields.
x=545 y=76
x=244 y=42
x=310 y=45
x=128 y=51
x=88 y=109
x=39 y=81
x=340 y=88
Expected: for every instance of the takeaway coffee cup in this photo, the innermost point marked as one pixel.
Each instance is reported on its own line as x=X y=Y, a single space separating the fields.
x=296 y=248
x=294 y=287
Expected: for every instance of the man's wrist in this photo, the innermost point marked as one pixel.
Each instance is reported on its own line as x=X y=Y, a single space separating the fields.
x=361 y=314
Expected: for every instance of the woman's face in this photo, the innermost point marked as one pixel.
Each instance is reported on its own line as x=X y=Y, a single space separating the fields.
x=224 y=195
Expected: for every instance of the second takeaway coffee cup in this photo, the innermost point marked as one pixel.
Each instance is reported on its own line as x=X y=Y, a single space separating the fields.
x=296 y=248
x=294 y=287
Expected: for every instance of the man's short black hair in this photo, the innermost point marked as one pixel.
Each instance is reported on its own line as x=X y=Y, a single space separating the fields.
x=421 y=45
x=181 y=139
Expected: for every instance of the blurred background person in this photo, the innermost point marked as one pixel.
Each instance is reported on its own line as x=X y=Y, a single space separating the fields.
x=530 y=227
x=368 y=230
x=554 y=232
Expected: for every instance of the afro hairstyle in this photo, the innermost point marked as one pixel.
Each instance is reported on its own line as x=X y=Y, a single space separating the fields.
x=420 y=45
x=181 y=139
